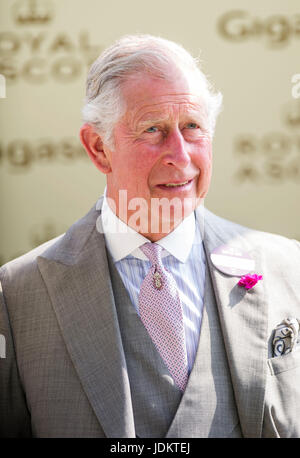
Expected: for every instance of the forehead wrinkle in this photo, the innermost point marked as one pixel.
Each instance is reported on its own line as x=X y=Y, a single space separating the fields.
x=169 y=98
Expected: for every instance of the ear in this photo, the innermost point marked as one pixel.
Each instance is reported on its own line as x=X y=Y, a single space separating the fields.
x=93 y=145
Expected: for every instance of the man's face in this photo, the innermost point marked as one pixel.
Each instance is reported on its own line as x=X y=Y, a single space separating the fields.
x=161 y=141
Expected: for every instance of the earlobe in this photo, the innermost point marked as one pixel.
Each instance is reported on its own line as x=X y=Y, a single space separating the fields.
x=94 y=147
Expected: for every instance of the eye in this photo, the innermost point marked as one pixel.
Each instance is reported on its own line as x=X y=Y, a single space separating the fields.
x=152 y=129
x=192 y=125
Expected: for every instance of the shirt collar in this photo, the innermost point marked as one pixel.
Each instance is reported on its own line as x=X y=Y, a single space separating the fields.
x=121 y=240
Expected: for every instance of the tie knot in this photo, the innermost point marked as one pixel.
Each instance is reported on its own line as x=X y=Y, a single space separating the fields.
x=152 y=251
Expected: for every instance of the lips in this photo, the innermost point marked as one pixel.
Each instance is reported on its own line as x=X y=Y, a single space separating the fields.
x=175 y=184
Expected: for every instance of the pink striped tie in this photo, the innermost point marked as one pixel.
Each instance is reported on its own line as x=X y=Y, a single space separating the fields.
x=161 y=313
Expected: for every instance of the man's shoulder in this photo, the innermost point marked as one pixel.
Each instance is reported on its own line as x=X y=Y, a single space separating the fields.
x=61 y=248
x=266 y=241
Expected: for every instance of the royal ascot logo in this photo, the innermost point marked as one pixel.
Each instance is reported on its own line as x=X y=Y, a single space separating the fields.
x=39 y=55
x=274 y=157
x=277 y=30
x=33 y=12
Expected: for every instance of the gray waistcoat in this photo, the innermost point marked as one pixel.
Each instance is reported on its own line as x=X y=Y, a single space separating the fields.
x=207 y=408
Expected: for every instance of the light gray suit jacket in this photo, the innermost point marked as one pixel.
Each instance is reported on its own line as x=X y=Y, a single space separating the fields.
x=65 y=374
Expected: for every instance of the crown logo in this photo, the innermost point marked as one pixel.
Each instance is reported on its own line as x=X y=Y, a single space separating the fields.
x=27 y=12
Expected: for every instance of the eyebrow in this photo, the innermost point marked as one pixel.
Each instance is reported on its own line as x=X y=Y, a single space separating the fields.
x=151 y=121
x=197 y=116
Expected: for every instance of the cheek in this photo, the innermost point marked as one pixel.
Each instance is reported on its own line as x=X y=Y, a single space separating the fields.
x=203 y=161
x=141 y=164
x=202 y=157
x=133 y=166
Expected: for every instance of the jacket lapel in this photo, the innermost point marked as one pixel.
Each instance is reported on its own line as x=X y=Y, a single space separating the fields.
x=77 y=277
x=243 y=318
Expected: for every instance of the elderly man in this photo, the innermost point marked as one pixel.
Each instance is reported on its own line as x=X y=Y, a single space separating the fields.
x=150 y=316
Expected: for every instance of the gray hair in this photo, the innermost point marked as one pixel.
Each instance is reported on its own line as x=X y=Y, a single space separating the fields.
x=104 y=104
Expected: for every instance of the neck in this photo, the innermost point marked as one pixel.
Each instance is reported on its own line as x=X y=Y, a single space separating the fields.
x=152 y=221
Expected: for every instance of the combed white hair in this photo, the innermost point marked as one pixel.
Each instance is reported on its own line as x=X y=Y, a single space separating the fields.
x=104 y=104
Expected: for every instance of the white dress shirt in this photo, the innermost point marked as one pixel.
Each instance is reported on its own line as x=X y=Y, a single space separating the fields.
x=182 y=254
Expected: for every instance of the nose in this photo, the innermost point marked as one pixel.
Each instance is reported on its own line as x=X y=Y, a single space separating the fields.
x=176 y=151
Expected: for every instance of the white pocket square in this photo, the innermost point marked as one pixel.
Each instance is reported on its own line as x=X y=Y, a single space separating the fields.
x=286 y=336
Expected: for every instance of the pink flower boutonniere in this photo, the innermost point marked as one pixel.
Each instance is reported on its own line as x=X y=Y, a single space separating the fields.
x=248 y=281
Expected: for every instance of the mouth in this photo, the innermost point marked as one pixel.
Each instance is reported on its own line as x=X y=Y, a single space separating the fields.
x=176 y=184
